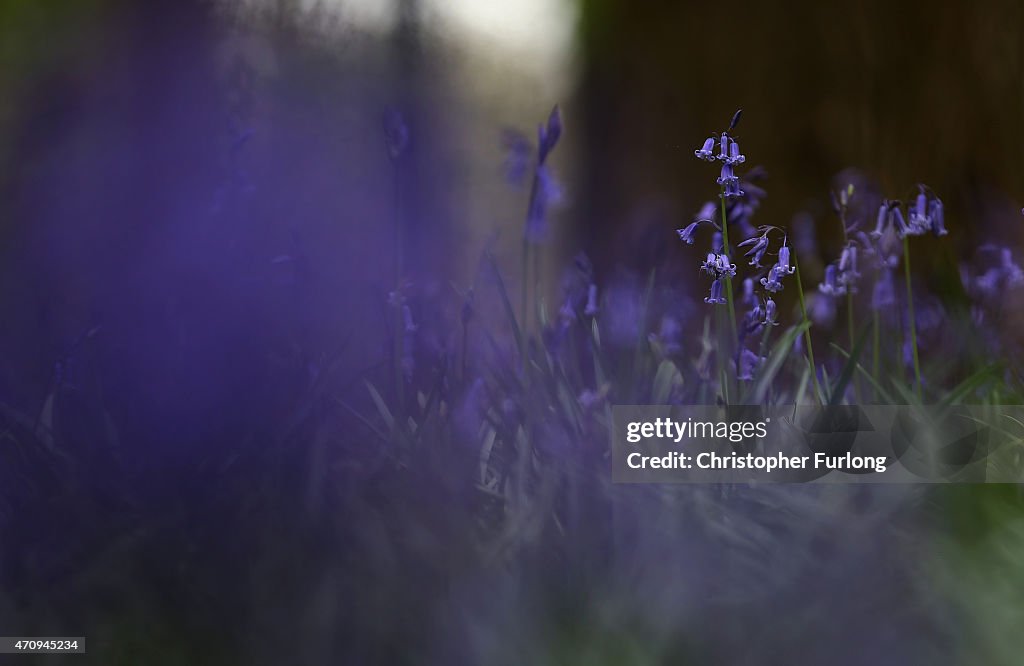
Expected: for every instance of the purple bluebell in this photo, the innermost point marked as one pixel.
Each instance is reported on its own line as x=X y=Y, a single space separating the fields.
x=592 y=308
x=724 y=267
x=832 y=286
x=898 y=222
x=783 y=262
x=686 y=234
x=740 y=213
x=1013 y=273
x=821 y=309
x=748 y=291
x=717 y=242
x=706 y=212
x=1000 y=273
x=848 y=274
x=710 y=264
x=723 y=155
x=938 y=219
x=883 y=219
x=546 y=193
x=735 y=156
x=727 y=176
x=548 y=135
x=773 y=281
x=918 y=223
x=669 y=336
x=732 y=190
x=754 y=318
x=707 y=152
x=770 y=312
x=716 y=297
x=748 y=363
x=758 y=246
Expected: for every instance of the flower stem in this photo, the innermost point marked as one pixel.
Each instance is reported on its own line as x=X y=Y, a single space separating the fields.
x=910 y=313
x=807 y=332
x=728 y=279
x=853 y=342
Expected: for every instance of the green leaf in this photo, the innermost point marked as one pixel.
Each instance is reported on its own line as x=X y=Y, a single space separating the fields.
x=382 y=407
x=969 y=385
x=837 y=391
x=667 y=377
x=778 y=356
x=506 y=303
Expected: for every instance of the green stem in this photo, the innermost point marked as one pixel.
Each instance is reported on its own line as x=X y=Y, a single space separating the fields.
x=728 y=280
x=807 y=332
x=849 y=327
x=910 y=313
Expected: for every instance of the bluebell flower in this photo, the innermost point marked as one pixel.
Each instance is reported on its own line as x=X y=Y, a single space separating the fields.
x=832 y=286
x=883 y=219
x=821 y=309
x=546 y=194
x=848 y=274
x=717 y=242
x=1000 y=273
x=735 y=157
x=759 y=245
x=724 y=267
x=718 y=265
x=732 y=190
x=727 y=177
x=716 y=297
x=917 y=215
x=710 y=264
x=740 y=213
x=748 y=292
x=754 y=318
x=724 y=148
x=770 y=312
x=773 y=281
x=938 y=219
x=748 y=363
x=898 y=222
x=1013 y=273
x=783 y=262
x=707 y=212
x=548 y=135
x=669 y=336
x=592 y=308
x=707 y=152
x=567 y=313
x=686 y=234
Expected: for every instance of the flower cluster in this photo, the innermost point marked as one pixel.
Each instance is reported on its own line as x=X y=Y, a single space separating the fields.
x=925 y=215
x=546 y=190
x=1000 y=273
x=729 y=155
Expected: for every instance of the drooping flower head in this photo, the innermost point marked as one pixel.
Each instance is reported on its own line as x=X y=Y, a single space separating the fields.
x=716 y=297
